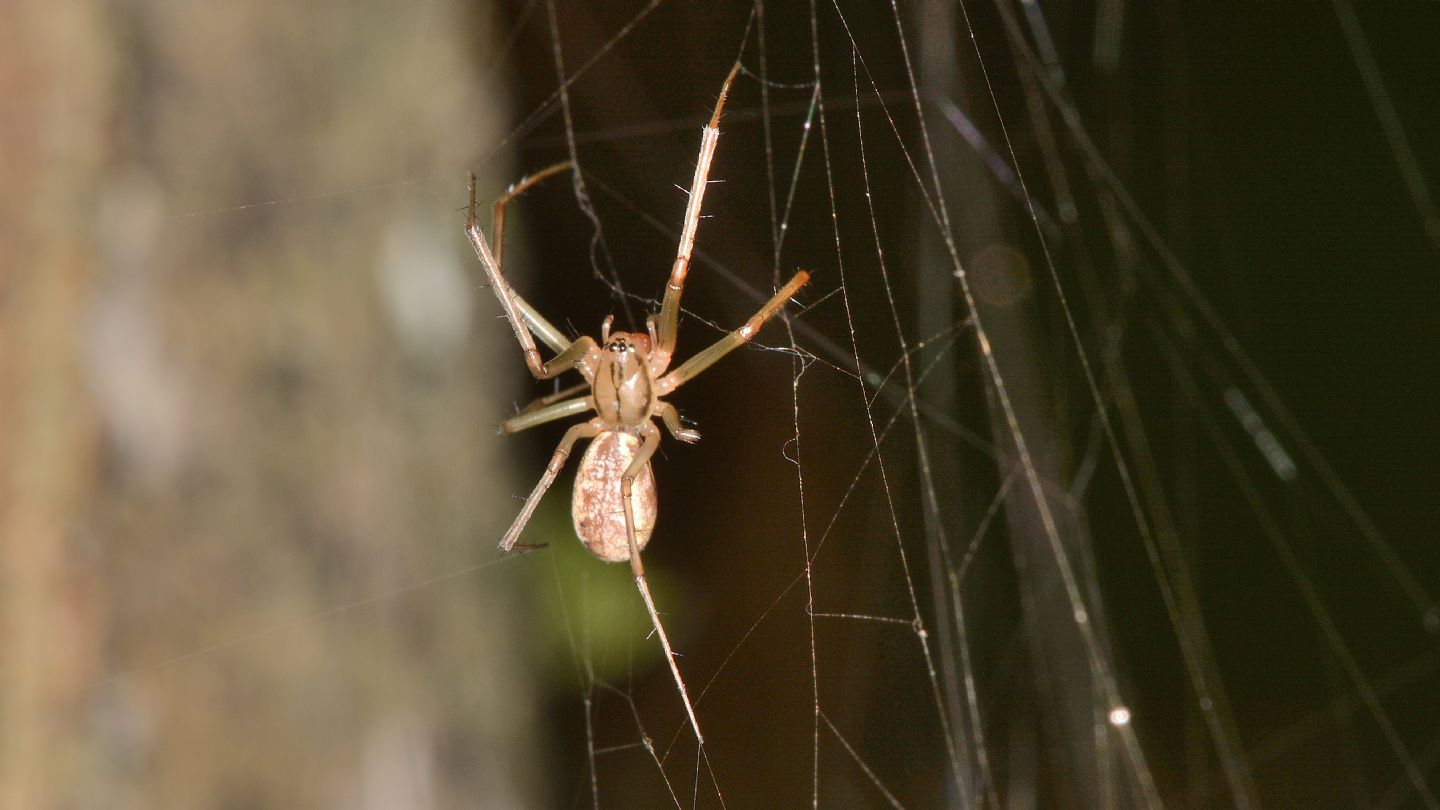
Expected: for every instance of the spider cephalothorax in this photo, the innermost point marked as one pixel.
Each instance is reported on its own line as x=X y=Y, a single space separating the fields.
x=623 y=391
x=627 y=373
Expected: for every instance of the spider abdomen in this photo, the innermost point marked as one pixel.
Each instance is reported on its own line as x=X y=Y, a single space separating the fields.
x=598 y=508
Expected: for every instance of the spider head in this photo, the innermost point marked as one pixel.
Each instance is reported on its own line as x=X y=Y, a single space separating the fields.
x=623 y=343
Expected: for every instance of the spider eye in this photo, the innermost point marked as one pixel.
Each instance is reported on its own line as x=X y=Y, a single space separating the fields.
x=618 y=345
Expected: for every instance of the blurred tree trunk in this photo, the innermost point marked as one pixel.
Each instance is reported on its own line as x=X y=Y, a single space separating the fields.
x=247 y=430
x=52 y=105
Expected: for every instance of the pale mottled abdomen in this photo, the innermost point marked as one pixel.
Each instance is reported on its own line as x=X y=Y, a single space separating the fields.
x=597 y=508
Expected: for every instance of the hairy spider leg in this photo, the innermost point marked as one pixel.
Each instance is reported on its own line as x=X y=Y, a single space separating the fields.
x=651 y=436
x=578 y=354
x=707 y=357
x=584 y=430
x=536 y=322
x=542 y=328
x=668 y=324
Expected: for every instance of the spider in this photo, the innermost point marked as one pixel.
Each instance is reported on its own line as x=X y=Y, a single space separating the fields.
x=626 y=373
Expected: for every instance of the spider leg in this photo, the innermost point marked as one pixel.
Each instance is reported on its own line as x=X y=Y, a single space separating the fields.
x=542 y=328
x=671 y=418
x=669 y=319
x=708 y=356
x=637 y=465
x=582 y=355
x=523 y=318
x=550 y=399
x=530 y=417
x=584 y=430
x=497 y=211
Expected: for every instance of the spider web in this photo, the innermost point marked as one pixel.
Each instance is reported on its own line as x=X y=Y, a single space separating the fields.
x=1057 y=694
x=1080 y=475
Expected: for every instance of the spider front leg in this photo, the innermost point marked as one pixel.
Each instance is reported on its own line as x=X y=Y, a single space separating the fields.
x=637 y=465
x=580 y=355
x=523 y=318
x=497 y=211
x=542 y=328
x=586 y=430
x=669 y=319
x=708 y=356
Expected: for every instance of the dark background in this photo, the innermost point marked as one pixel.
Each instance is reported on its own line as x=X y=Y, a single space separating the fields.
x=1247 y=137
